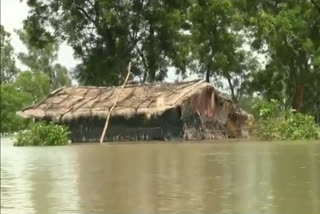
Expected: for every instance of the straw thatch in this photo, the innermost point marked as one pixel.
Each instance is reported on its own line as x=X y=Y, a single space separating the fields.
x=70 y=103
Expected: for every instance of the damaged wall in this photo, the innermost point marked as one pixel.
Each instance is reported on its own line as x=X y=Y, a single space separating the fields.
x=207 y=116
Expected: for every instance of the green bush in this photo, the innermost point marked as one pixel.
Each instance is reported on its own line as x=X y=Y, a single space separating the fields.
x=298 y=126
x=275 y=122
x=12 y=100
x=43 y=134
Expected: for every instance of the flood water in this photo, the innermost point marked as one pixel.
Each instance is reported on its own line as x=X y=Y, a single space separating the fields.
x=221 y=178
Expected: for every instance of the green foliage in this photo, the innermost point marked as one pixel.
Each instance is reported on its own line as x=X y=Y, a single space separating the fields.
x=217 y=33
x=7 y=61
x=274 y=122
x=269 y=109
x=42 y=134
x=12 y=100
x=19 y=90
x=299 y=126
x=61 y=77
x=106 y=35
x=289 y=33
x=29 y=88
x=43 y=60
x=35 y=85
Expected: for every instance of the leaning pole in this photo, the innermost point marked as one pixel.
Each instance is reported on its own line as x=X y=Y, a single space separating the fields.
x=114 y=104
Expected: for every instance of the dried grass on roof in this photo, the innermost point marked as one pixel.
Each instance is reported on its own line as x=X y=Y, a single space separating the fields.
x=86 y=101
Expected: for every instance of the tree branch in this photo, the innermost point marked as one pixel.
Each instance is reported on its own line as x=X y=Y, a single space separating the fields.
x=84 y=12
x=90 y=3
x=316 y=5
x=143 y=59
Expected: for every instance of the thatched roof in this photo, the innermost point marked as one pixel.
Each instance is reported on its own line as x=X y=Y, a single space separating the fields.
x=83 y=101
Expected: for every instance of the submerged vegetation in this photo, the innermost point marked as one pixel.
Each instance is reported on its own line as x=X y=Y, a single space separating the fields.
x=43 y=134
x=277 y=123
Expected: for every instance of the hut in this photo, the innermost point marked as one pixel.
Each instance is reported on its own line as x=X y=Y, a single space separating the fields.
x=192 y=110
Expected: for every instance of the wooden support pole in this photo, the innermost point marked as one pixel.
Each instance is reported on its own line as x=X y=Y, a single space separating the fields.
x=114 y=104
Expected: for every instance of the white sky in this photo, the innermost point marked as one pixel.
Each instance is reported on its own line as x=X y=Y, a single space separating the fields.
x=13 y=12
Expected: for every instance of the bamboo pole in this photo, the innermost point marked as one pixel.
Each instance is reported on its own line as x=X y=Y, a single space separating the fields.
x=114 y=105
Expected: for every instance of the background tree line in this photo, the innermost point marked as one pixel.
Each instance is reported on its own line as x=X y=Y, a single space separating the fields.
x=268 y=48
x=23 y=87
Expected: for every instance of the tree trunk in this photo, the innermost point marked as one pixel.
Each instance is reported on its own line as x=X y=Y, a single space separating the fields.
x=144 y=76
x=299 y=95
x=208 y=74
x=151 y=55
x=233 y=96
x=299 y=84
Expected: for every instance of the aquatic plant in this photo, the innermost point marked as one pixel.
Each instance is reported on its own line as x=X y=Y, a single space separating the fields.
x=276 y=122
x=43 y=134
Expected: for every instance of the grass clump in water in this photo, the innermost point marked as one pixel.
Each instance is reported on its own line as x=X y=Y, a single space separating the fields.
x=277 y=123
x=43 y=134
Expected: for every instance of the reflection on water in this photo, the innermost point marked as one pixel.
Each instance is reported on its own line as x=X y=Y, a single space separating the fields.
x=161 y=178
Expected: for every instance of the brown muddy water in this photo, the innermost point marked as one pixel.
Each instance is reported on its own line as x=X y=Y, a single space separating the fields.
x=222 y=178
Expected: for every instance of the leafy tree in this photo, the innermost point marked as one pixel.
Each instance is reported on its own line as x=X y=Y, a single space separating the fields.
x=107 y=34
x=44 y=60
x=34 y=85
x=12 y=100
x=159 y=42
x=289 y=32
x=237 y=72
x=316 y=4
x=28 y=88
x=62 y=77
x=7 y=63
x=217 y=43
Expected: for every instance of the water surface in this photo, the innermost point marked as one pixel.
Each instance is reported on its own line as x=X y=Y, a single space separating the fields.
x=221 y=178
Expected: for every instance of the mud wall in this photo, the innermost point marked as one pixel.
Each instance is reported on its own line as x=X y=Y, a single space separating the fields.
x=208 y=116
